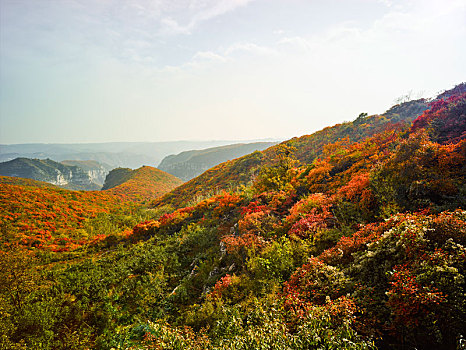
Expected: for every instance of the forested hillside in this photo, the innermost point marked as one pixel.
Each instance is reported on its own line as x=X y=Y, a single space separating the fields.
x=232 y=174
x=38 y=214
x=350 y=238
x=145 y=183
x=190 y=164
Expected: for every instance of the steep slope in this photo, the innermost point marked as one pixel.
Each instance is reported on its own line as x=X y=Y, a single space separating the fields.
x=306 y=149
x=116 y=177
x=66 y=175
x=189 y=164
x=370 y=236
x=145 y=183
x=95 y=170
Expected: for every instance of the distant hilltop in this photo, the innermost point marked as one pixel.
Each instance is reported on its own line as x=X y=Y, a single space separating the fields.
x=145 y=183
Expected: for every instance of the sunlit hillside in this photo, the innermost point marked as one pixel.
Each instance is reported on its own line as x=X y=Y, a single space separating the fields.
x=350 y=238
x=36 y=214
x=232 y=174
x=145 y=183
x=41 y=215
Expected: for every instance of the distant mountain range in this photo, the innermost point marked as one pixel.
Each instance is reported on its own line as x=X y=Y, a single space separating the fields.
x=91 y=174
x=71 y=174
x=189 y=164
x=115 y=154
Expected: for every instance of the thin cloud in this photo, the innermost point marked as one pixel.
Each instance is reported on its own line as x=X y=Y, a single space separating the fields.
x=295 y=42
x=171 y=27
x=208 y=56
x=251 y=48
x=197 y=13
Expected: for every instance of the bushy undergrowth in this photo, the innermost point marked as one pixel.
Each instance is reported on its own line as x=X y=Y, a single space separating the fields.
x=362 y=248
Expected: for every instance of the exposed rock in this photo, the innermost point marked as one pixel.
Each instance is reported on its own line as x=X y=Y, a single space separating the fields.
x=69 y=174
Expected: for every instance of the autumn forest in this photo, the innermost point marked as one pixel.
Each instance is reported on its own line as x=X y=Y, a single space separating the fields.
x=353 y=237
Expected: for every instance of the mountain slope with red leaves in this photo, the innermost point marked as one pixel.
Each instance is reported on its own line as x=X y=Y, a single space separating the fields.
x=145 y=183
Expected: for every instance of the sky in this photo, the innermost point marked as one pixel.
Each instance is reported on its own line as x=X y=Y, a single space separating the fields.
x=165 y=70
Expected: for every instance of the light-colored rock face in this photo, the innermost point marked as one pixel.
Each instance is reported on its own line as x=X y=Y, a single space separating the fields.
x=64 y=178
x=85 y=176
x=61 y=179
x=79 y=177
x=97 y=175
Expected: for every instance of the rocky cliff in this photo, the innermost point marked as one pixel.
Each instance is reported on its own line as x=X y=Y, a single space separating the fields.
x=75 y=175
x=96 y=171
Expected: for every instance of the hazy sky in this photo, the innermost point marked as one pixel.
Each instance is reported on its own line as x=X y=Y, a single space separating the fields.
x=142 y=70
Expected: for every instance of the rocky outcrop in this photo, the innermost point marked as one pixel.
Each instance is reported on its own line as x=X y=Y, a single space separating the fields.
x=96 y=172
x=75 y=175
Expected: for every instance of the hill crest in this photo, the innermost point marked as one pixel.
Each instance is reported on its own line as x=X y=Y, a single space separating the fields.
x=144 y=183
x=241 y=171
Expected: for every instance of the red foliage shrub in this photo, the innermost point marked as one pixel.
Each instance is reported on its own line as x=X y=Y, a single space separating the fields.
x=220 y=286
x=305 y=206
x=314 y=282
x=445 y=120
x=235 y=244
x=312 y=223
x=409 y=301
x=342 y=252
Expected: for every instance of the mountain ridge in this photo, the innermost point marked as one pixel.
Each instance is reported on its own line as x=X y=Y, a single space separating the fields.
x=306 y=149
x=116 y=154
x=189 y=164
